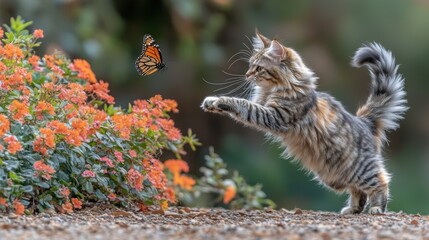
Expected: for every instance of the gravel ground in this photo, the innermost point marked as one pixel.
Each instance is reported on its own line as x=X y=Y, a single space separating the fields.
x=185 y=223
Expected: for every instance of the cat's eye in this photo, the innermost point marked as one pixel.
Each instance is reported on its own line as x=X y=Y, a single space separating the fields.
x=258 y=69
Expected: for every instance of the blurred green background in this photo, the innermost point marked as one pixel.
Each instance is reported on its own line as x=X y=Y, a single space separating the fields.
x=198 y=37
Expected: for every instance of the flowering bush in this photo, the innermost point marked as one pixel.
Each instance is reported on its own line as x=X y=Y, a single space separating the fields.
x=62 y=141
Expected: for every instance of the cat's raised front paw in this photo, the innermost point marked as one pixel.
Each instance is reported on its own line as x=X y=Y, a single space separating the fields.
x=209 y=104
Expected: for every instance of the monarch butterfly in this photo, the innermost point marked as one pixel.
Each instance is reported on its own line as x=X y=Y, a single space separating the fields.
x=150 y=59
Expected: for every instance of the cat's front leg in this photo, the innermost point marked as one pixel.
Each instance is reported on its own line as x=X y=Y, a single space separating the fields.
x=218 y=105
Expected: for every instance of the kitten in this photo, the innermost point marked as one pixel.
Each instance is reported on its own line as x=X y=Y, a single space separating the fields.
x=342 y=150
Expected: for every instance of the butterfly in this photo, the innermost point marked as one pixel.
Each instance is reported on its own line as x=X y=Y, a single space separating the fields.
x=150 y=59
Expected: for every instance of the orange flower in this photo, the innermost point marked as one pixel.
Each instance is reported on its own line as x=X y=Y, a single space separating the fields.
x=119 y=156
x=135 y=179
x=88 y=174
x=19 y=207
x=4 y=124
x=58 y=127
x=101 y=90
x=164 y=205
x=10 y=51
x=67 y=207
x=111 y=196
x=1 y=33
x=229 y=194
x=65 y=191
x=44 y=108
x=84 y=70
x=184 y=182
x=74 y=93
x=3 y=202
x=170 y=195
x=168 y=126
x=155 y=174
x=81 y=126
x=49 y=137
x=38 y=33
x=76 y=203
x=45 y=170
x=132 y=153
x=73 y=138
x=164 y=104
x=13 y=144
x=34 y=60
x=46 y=139
x=107 y=161
x=2 y=66
x=176 y=165
x=49 y=60
x=123 y=124
x=19 y=110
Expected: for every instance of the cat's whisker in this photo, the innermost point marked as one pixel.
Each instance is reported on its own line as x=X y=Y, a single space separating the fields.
x=234 y=75
x=228 y=81
x=246 y=90
x=236 y=60
x=235 y=89
x=226 y=87
x=245 y=53
x=248 y=48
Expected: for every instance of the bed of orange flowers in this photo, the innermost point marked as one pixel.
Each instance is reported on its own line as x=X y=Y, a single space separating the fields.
x=62 y=142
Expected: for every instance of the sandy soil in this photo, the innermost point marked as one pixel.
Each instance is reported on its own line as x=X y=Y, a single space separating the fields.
x=185 y=223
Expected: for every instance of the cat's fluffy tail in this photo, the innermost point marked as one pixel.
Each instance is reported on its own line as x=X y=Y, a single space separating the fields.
x=386 y=104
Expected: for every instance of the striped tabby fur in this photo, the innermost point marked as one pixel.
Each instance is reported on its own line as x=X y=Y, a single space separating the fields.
x=344 y=151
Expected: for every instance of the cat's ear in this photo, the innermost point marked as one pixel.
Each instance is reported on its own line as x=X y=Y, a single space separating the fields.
x=260 y=41
x=277 y=51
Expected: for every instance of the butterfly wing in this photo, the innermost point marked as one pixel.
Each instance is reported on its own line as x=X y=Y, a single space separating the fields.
x=150 y=60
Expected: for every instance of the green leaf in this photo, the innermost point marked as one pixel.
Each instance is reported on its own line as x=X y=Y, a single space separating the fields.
x=100 y=195
x=15 y=177
x=63 y=176
x=88 y=187
x=27 y=188
x=42 y=184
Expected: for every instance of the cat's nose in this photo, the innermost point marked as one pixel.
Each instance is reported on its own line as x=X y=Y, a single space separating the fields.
x=248 y=74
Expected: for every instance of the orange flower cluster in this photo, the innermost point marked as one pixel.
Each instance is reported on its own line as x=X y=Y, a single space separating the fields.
x=43 y=170
x=123 y=123
x=13 y=145
x=19 y=110
x=67 y=207
x=3 y=202
x=43 y=108
x=101 y=90
x=4 y=124
x=84 y=70
x=19 y=207
x=38 y=33
x=176 y=166
x=15 y=79
x=12 y=52
x=77 y=204
x=155 y=174
x=74 y=93
x=45 y=140
x=64 y=191
x=135 y=179
x=229 y=194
